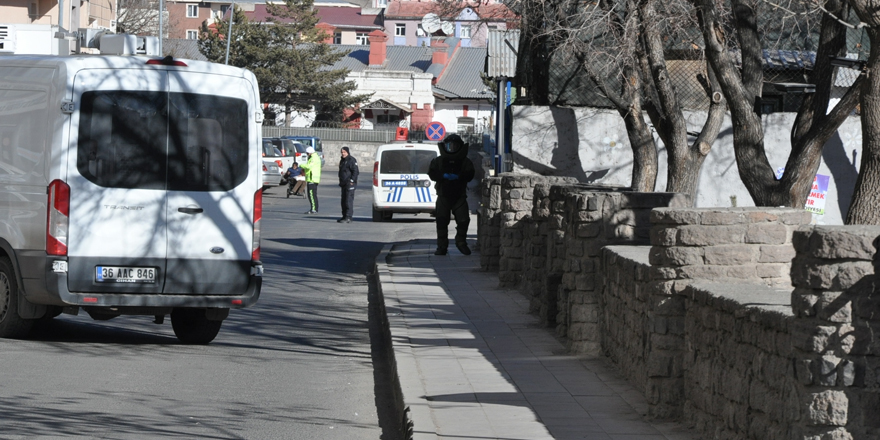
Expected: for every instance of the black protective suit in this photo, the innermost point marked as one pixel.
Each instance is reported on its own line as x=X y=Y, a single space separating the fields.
x=452 y=171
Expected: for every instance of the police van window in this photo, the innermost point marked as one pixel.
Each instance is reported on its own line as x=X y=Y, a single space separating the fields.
x=122 y=139
x=156 y=140
x=208 y=142
x=406 y=161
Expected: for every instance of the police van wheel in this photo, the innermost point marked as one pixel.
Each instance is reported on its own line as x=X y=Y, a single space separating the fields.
x=378 y=215
x=11 y=325
x=191 y=326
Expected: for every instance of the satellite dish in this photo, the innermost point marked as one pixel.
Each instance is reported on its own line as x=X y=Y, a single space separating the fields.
x=431 y=23
x=448 y=28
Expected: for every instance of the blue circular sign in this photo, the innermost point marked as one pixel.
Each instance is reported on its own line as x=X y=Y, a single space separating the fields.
x=435 y=131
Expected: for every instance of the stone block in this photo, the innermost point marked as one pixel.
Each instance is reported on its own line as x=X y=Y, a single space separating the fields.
x=795 y=217
x=588 y=216
x=722 y=218
x=826 y=408
x=773 y=270
x=810 y=336
x=674 y=216
x=702 y=272
x=831 y=276
x=834 y=306
x=730 y=255
x=663 y=236
x=589 y=230
x=766 y=233
x=844 y=242
x=776 y=253
x=699 y=235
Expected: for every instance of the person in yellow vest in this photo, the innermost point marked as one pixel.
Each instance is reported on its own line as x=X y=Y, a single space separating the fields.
x=312 y=170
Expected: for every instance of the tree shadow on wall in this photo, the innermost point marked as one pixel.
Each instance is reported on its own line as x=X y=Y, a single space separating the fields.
x=565 y=158
x=843 y=171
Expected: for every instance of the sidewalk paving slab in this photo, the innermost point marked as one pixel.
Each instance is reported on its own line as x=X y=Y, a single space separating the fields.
x=474 y=364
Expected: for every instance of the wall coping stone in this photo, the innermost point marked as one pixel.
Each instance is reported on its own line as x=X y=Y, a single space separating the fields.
x=638 y=254
x=732 y=297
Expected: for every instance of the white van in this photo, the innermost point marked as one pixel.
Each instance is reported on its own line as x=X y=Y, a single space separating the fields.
x=400 y=180
x=128 y=186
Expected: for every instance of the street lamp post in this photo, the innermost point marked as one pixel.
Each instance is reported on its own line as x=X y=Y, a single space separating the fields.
x=229 y=32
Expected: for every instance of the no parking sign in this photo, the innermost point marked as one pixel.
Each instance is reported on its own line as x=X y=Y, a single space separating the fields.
x=435 y=131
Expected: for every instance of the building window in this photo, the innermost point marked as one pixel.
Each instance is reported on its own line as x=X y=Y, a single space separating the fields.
x=465 y=31
x=337 y=38
x=387 y=119
x=192 y=11
x=361 y=38
x=223 y=9
x=400 y=30
x=381 y=3
x=420 y=32
x=192 y=34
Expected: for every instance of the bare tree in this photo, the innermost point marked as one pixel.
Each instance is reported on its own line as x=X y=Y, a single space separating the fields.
x=865 y=206
x=141 y=17
x=138 y=17
x=742 y=87
x=622 y=46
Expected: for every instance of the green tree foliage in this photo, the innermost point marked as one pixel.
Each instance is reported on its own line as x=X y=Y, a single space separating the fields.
x=289 y=58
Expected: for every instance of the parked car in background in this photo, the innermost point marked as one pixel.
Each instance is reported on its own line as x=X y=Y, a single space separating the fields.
x=289 y=151
x=310 y=141
x=271 y=173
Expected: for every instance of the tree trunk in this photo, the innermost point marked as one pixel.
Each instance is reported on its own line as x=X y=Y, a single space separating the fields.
x=865 y=207
x=644 y=172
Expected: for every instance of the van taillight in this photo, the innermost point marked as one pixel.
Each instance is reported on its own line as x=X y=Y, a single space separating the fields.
x=258 y=220
x=376 y=173
x=57 y=218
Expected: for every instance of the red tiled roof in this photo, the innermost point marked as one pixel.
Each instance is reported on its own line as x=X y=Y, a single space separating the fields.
x=418 y=9
x=347 y=17
x=337 y=16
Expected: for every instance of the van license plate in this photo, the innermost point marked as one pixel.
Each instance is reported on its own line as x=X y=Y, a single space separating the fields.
x=117 y=274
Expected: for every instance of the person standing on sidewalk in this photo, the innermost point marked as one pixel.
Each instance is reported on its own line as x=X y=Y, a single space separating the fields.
x=312 y=170
x=452 y=171
x=348 y=176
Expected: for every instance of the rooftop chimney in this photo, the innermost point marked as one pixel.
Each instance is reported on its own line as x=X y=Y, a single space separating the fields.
x=440 y=55
x=377 y=47
x=329 y=30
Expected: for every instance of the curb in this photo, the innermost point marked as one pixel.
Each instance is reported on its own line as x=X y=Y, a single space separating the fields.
x=408 y=386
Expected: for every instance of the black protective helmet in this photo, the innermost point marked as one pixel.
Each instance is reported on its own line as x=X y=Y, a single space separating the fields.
x=451 y=145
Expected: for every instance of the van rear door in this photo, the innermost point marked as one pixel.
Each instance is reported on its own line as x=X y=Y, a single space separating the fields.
x=117 y=170
x=211 y=184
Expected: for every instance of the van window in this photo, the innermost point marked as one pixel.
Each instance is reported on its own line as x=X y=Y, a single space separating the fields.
x=157 y=140
x=406 y=161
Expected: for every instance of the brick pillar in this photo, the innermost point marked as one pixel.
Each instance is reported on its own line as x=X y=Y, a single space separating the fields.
x=737 y=245
x=835 y=335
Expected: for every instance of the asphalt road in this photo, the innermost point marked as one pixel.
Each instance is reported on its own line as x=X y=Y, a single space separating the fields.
x=297 y=365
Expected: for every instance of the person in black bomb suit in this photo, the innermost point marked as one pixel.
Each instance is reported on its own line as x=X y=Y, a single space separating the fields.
x=452 y=171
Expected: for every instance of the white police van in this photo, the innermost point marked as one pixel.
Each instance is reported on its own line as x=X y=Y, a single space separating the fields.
x=129 y=185
x=400 y=180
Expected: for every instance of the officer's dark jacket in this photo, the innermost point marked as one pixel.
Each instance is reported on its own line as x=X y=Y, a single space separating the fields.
x=348 y=171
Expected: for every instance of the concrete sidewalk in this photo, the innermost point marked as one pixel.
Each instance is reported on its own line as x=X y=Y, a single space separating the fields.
x=473 y=364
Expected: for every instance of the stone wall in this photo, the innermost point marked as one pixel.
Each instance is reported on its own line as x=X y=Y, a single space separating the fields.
x=745 y=323
x=626 y=313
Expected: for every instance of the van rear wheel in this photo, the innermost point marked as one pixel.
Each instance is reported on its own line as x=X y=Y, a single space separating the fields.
x=11 y=325
x=191 y=326
x=377 y=215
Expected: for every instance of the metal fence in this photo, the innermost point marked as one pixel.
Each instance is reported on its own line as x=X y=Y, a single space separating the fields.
x=790 y=40
x=356 y=135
